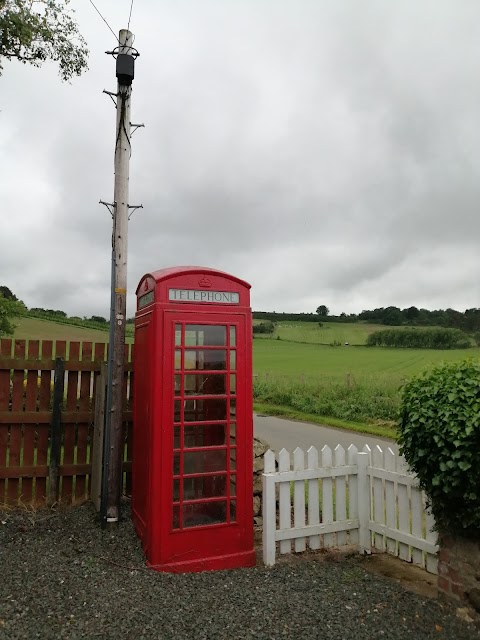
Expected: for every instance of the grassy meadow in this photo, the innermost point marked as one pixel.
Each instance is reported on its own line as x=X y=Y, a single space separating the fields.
x=328 y=333
x=301 y=374
x=279 y=358
x=38 y=329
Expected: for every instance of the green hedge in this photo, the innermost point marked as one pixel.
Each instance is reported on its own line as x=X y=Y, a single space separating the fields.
x=440 y=439
x=420 y=339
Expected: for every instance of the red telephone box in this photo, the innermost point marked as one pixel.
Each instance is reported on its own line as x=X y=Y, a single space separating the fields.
x=193 y=422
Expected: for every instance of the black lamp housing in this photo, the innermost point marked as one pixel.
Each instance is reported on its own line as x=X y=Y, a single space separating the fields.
x=125 y=69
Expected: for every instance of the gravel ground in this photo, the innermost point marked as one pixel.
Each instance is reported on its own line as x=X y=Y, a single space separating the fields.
x=63 y=577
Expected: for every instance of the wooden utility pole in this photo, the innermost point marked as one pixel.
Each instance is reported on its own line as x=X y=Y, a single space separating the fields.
x=113 y=439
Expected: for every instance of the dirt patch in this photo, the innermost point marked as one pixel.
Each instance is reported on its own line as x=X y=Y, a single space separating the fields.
x=408 y=575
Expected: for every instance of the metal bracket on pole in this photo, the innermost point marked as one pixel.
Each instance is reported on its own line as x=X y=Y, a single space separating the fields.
x=108 y=205
x=111 y=94
x=134 y=207
x=135 y=127
x=131 y=51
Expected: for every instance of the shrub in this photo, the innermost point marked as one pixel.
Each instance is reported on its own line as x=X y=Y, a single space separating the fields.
x=264 y=327
x=440 y=439
x=432 y=338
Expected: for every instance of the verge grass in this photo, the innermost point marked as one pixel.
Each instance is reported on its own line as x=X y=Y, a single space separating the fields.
x=369 y=407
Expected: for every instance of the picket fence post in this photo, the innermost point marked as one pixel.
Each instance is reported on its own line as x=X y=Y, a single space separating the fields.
x=269 y=509
x=363 y=485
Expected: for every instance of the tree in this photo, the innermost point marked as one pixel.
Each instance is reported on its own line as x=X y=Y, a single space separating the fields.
x=6 y=292
x=322 y=310
x=411 y=314
x=392 y=316
x=9 y=309
x=33 y=31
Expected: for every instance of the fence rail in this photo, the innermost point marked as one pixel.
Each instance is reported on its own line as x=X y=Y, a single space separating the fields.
x=363 y=498
x=30 y=471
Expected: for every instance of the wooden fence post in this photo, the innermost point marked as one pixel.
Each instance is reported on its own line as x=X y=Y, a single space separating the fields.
x=363 y=484
x=56 y=426
x=98 y=429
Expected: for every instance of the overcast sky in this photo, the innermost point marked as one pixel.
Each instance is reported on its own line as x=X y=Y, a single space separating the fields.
x=328 y=152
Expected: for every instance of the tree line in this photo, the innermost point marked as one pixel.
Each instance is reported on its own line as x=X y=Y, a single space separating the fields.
x=468 y=320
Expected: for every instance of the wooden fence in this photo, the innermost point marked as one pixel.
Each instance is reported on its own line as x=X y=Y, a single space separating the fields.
x=368 y=499
x=31 y=471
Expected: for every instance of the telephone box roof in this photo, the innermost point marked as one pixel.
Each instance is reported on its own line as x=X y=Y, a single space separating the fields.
x=171 y=272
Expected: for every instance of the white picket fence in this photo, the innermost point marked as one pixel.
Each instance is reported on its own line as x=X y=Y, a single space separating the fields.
x=365 y=498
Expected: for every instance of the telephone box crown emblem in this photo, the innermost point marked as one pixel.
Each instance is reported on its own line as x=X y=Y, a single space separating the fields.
x=205 y=282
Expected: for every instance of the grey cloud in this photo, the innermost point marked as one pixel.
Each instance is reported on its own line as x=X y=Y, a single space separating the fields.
x=326 y=152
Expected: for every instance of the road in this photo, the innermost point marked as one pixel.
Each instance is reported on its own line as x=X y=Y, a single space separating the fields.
x=289 y=434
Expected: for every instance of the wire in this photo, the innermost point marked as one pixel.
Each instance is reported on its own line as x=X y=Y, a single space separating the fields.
x=130 y=16
x=115 y=36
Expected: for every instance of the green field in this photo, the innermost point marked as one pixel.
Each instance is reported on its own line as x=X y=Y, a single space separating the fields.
x=349 y=384
x=330 y=333
x=279 y=358
x=38 y=329
x=311 y=333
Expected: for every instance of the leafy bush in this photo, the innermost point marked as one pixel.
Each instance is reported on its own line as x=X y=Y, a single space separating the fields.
x=264 y=327
x=440 y=439
x=420 y=339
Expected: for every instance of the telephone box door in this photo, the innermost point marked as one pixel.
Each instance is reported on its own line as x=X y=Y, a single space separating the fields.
x=206 y=400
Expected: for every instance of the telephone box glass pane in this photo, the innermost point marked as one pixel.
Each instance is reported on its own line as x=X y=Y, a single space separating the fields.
x=233 y=383
x=205 y=513
x=178 y=359
x=193 y=338
x=177 y=384
x=233 y=511
x=176 y=517
x=176 y=437
x=177 y=411
x=205 y=487
x=233 y=459
x=233 y=435
x=233 y=409
x=233 y=337
x=204 y=461
x=208 y=359
x=203 y=385
x=204 y=435
x=205 y=335
x=176 y=464
x=178 y=335
x=207 y=409
x=176 y=490
x=233 y=485
x=233 y=360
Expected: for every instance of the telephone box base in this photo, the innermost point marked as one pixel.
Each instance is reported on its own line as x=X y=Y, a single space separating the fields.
x=217 y=563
